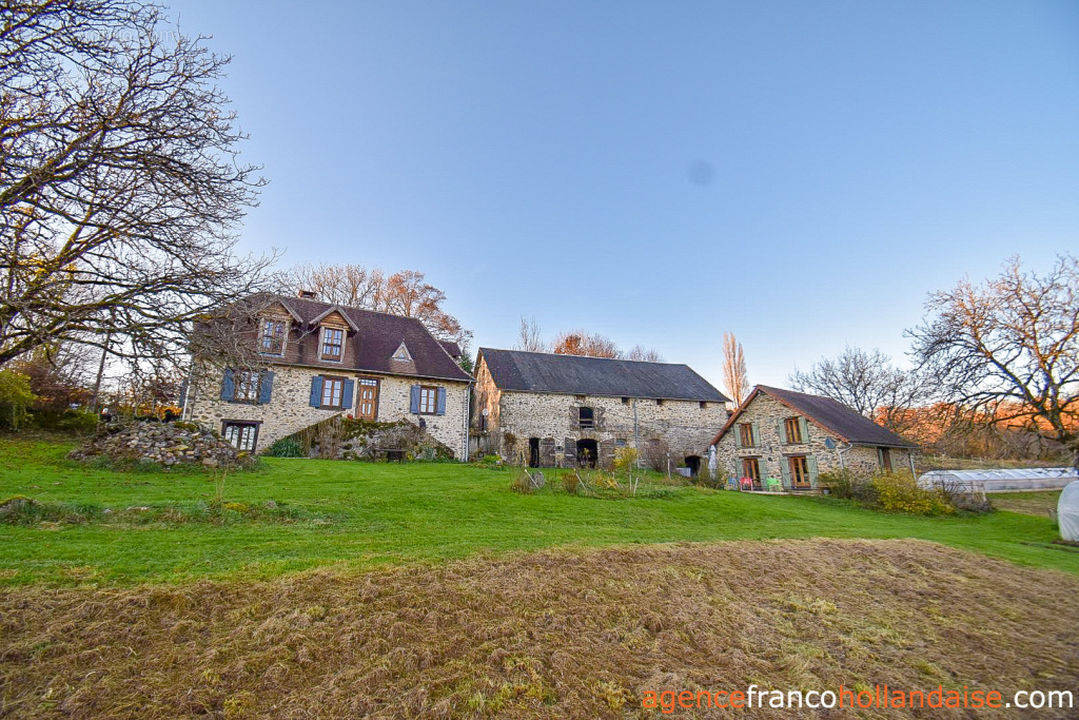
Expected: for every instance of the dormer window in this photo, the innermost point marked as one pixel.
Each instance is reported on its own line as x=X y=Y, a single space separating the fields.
x=333 y=344
x=272 y=337
x=401 y=354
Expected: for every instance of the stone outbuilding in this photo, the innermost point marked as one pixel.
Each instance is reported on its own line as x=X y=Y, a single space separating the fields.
x=317 y=360
x=781 y=438
x=550 y=410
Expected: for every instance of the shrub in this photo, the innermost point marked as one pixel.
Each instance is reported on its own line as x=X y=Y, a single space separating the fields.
x=894 y=492
x=898 y=492
x=81 y=422
x=15 y=399
x=655 y=455
x=625 y=459
x=522 y=483
x=707 y=479
x=286 y=447
x=570 y=482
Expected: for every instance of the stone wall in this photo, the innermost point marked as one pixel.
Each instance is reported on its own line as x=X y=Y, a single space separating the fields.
x=289 y=409
x=769 y=414
x=553 y=419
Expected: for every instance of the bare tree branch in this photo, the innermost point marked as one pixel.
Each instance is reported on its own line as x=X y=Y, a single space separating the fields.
x=1009 y=348
x=120 y=186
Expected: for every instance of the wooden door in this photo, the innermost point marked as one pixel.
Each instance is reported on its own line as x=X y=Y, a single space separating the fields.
x=367 y=402
x=799 y=471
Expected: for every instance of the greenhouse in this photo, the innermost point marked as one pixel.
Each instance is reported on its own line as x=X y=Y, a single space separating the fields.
x=1001 y=480
x=1068 y=512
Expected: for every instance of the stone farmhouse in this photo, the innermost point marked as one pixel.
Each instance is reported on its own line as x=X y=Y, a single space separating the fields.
x=568 y=410
x=319 y=360
x=780 y=438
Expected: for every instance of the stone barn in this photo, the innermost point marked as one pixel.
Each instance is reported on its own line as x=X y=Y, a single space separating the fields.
x=548 y=410
x=781 y=439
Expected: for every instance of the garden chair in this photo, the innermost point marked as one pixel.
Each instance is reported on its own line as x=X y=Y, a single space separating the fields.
x=773 y=485
x=747 y=483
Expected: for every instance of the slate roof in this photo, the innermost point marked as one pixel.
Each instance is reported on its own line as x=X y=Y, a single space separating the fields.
x=452 y=348
x=376 y=336
x=580 y=375
x=850 y=425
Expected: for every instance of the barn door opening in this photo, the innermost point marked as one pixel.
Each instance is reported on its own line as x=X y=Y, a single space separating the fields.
x=533 y=452
x=587 y=453
x=693 y=462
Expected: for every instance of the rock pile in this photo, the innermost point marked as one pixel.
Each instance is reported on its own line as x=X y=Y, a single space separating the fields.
x=168 y=444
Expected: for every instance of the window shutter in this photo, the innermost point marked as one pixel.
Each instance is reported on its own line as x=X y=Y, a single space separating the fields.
x=228 y=385
x=265 y=387
x=316 y=391
x=781 y=428
x=414 y=405
x=346 y=393
x=440 y=407
x=762 y=469
x=785 y=470
x=804 y=427
x=755 y=434
x=812 y=462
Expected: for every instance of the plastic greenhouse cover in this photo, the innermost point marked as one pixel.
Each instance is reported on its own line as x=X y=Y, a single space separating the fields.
x=1068 y=512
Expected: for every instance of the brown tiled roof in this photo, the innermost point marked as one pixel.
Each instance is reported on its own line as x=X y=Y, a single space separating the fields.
x=370 y=345
x=583 y=375
x=847 y=423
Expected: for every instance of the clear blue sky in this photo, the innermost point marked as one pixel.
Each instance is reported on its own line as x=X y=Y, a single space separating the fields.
x=801 y=174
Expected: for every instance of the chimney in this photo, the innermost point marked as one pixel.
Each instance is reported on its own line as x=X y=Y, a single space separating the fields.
x=307 y=294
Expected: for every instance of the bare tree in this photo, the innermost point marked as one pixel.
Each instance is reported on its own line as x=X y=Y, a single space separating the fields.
x=1008 y=348
x=869 y=383
x=734 y=369
x=349 y=284
x=579 y=342
x=639 y=352
x=404 y=293
x=120 y=187
x=529 y=337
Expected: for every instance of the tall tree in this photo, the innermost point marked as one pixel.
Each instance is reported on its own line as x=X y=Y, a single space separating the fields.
x=734 y=368
x=579 y=342
x=529 y=337
x=404 y=293
x=868 y=382
x=1008 y=348
x=639 y=352
x=120 y=185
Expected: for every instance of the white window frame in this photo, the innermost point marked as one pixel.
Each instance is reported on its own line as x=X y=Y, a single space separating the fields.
x=247 y=386
x=329 y=386
x=428 y=404
x=262 y=336
x=322 y=345
x=240 y=434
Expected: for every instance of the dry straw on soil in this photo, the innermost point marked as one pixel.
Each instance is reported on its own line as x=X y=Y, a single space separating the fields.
x=547 y=635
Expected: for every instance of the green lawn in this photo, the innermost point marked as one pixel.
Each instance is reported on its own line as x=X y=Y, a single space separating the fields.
x=367 y=514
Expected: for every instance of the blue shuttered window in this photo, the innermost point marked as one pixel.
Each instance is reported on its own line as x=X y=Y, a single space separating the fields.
x=414 y=401
x=346 y=399
x=228 y=385
x=266 y=387
x=440 y=407
x=316 y=391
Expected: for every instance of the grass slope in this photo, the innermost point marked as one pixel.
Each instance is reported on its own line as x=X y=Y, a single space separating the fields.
x=372 y=514
x=1035 y=502
x=555 y=634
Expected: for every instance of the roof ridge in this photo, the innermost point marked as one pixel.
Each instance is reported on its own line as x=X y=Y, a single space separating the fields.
x=573 y=355
x=354 y=307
